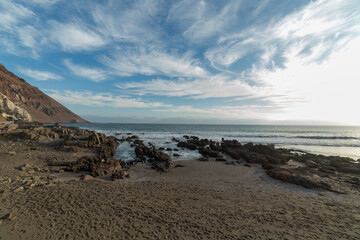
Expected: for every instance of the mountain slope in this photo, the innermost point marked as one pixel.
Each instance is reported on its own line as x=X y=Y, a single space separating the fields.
x=40 y=106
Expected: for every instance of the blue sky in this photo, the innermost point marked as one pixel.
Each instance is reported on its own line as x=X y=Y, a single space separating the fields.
x=238 y=62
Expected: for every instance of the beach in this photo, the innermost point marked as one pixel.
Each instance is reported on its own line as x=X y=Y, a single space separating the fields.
x=192 y=200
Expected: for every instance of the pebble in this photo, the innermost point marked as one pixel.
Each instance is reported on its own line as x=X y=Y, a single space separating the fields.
x=12 y=153
x=19 y=189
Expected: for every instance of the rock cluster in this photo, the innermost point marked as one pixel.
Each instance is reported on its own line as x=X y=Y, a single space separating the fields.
x=336 y=174
x=22 y=183
x=160 y=161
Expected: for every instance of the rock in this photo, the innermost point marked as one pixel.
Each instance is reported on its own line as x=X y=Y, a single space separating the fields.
x=175 y=149
x=255 y=153
x=4 y=192
x=220 y=159
x=303 y=176
x=175 y=140
x=189 y=146
x=231 y=163
x=161 y=148
x=247 y=165
x=86 y=177
x=19 y=189
x=204 y=159
x=159 y=160
x=52 y=177
x=267 y=166
x=168 y=149
x=36 y=178
x=11 y=153
x=120 y=174
x=209 y=153
x=97 y=166
x=176 y=155
x=179 y=165
x=7 y=216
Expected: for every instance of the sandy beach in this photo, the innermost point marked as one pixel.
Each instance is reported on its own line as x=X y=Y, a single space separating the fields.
x=194 y=200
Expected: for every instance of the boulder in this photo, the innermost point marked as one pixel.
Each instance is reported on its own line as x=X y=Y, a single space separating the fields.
x=86 y=177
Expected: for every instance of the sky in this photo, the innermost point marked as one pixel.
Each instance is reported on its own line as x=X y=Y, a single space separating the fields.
x=190 y=61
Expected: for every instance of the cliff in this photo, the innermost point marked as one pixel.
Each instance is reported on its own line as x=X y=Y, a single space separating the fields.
x=27 y=103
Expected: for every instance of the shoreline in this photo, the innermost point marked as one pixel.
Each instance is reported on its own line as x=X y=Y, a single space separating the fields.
x=190 y=199
x=336 y=141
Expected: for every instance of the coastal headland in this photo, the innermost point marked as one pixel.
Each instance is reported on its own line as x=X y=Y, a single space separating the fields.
x=63 y=183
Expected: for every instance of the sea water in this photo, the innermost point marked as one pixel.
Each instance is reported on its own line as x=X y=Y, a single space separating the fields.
x=326 y=140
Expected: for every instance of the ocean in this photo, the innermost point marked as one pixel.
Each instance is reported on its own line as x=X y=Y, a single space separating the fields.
x=327 y=140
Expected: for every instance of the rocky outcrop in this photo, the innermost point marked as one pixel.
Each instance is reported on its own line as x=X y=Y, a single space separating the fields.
x=302 y=176
x=35 y=103
x=99 y=162
x=255 y=153
x=9 y=109
x=331 y=173
x=160 y=161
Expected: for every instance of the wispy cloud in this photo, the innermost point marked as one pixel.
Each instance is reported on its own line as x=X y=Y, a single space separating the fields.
x=317 y=23
x=40 y=75
x=88 y=98
x=45 y=3
x=213 y=22
x=75 y=36
x=12 y=13
x=127 y=62
x=218 y=86
x=91 y=73
x=133 y=22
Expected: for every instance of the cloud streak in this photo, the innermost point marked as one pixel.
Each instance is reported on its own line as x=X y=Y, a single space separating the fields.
x=40 y=75
x=75 y=36
x=153 y=62
x=88 y=98
x=93 y=74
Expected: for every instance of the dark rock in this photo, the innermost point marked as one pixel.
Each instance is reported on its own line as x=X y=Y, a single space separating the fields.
x=159 y=160
x=161 y=148
x=179 y=165
x=169 y=149
x=204 y=159
x=247 y=165
x=176 y=155
x=209 y=153
x=220 y=159
x=302 y=176
x=267 y=166
x=175 y=149
x=189 y=146
x=258 y=153
x=105 y=168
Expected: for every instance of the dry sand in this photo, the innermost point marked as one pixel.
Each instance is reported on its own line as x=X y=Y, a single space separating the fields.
x=202 y=200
